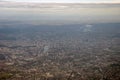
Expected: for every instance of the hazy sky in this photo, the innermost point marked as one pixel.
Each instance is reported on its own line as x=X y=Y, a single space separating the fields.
x=70 y=1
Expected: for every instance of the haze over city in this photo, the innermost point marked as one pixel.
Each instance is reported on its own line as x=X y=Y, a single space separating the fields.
x=59 y=39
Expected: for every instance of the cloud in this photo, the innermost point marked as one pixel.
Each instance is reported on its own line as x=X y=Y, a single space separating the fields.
x=69 y=1
x=87 y=28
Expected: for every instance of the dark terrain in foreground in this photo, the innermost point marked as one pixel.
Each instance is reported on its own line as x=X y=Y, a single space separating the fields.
x=60 y=52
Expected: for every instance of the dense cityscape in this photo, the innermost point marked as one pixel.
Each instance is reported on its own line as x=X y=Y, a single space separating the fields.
x=71 y=40
x=62 y=52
